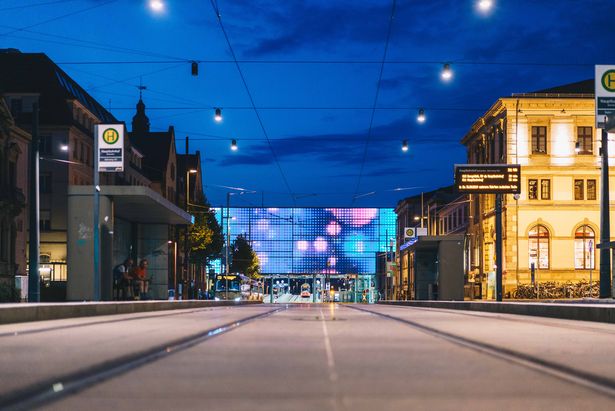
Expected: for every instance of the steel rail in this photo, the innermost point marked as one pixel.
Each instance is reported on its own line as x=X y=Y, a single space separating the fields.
x=56 y=388
x=563 y=372
x=159 y=314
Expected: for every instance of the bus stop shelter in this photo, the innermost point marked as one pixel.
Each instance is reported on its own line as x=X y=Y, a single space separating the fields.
x=135 y=222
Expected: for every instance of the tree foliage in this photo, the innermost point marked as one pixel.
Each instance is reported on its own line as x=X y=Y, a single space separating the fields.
x=243 y=258
x=206 y=239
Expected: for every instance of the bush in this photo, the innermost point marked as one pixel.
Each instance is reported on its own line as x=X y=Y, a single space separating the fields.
x=553 y=290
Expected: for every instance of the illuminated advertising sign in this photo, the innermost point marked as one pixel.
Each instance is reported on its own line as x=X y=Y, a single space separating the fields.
x=488 y=178
x=313 y=240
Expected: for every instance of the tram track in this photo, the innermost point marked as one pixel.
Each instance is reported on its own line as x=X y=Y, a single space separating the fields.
x=57 y=387
x=563 y=372
x=509 y=317
x=130 y=317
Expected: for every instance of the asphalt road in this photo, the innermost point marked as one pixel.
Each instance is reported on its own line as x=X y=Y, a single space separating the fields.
x=308 y=357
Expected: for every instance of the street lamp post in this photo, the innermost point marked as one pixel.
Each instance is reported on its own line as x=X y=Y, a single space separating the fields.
x=186 y=236
x=34 y=229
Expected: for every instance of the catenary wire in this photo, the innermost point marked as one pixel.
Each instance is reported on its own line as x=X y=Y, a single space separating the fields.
x=214 y=5
x=373 y=113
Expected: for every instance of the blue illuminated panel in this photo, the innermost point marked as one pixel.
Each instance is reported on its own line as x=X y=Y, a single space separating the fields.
x=313 y=240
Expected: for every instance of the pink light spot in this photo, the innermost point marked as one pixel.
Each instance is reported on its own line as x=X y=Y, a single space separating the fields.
x=320 y=244
x=331 y=261
x=302 y=245
x=333 y=228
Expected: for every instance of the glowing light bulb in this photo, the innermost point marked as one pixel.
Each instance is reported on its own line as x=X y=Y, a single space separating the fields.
x=156 y=5
x=234 y=145
x=485 y=5
x=421 y=116
x=447 y=73
x=218 y=115
x=404 y=146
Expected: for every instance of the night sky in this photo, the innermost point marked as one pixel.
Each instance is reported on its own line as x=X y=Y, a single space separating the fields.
x=312 y=69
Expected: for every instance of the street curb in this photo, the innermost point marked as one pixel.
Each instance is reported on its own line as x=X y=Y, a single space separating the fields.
x=581 y=312
x=17 y=313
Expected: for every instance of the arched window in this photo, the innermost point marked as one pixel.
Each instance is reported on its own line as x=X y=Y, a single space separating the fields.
x=539 y=247
x=584 y=245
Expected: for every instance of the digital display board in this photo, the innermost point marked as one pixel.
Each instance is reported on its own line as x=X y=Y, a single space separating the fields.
x=312 y=240
x=488 y=178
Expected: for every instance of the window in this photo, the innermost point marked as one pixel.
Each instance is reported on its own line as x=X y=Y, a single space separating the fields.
x=532 y=189
x=591 y=189
x=539 y=140
x=579 y=189
x=584 y=248
x=45 y=220
x=545 y=189
x=584 y=138
x=82 y=152
x=45 y=183
x=539 y=247
x=75 y=143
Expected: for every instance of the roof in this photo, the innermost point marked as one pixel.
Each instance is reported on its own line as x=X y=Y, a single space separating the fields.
x=35 y=73
x=138 y=204
x=584 y=88
x=155 y=147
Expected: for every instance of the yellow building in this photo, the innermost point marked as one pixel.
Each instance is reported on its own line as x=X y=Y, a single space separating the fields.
x=554 y=223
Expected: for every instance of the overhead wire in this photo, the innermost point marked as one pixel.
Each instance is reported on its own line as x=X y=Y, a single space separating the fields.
x=371 y=120
x=216 y=10
x=63 y=16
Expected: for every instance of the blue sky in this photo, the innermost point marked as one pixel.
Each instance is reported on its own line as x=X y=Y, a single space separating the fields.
x=315 y=112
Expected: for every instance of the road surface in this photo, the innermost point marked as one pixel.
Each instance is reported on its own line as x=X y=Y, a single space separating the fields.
x=308 y=357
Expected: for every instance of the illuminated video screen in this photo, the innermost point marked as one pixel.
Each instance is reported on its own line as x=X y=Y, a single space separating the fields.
x=313 y=240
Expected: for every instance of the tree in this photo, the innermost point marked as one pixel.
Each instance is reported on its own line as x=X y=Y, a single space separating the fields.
x=205 y=235
x=243 y=258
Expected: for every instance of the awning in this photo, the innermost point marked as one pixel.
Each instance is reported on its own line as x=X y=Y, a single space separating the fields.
x=138 y=204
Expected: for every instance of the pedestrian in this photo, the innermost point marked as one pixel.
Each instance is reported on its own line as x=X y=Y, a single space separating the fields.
x=122 y=279
x=139 y=275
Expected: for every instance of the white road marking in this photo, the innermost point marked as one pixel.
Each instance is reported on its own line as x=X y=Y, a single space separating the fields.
x=329 y=351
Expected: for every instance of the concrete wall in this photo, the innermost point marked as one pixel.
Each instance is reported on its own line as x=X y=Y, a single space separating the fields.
x=153 y=246
x=80 y=279
x=451 y=268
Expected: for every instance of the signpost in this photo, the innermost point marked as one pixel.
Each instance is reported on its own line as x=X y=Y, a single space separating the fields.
x=605 y=111
x=108 y=157
x=409 y=232
x=495 y=179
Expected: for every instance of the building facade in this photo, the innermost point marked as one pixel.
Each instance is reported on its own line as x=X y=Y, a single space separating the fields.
x=14 y=151
x=552 y=227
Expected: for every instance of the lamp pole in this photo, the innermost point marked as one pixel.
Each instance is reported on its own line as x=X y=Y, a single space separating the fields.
x=605 y=226
x=34 y=213
x=228 y=238
x=186 y=235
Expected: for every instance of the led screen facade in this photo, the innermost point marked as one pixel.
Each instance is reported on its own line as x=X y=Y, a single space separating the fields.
x=313 y=240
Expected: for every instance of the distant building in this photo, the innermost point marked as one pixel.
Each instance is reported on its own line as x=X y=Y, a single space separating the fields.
x=554 y=224
x=440 y=212
x=14 y=150
x=138 y=222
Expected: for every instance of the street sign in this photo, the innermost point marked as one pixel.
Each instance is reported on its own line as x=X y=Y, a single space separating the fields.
x=409 y=232
x=110 y=153
x=488 y=178
x=605 y=93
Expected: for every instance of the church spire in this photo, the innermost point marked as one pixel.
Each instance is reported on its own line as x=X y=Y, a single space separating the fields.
x=140 y=121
